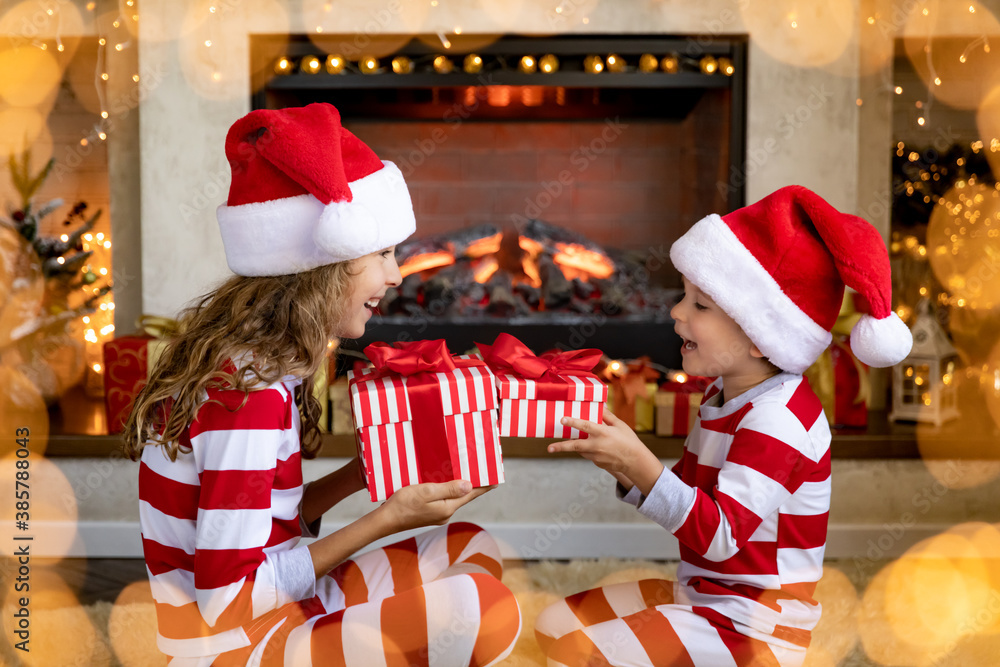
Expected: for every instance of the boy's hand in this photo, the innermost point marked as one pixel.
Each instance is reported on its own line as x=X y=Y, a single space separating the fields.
x=429 y=504
x=614 y=447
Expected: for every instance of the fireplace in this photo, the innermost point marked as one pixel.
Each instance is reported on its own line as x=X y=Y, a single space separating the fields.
x=549 y=175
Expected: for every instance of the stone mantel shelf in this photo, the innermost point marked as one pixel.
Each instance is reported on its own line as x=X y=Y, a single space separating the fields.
x=78 y=429
x=858 y=445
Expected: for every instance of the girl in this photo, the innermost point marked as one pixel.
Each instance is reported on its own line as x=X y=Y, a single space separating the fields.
x=309 y=228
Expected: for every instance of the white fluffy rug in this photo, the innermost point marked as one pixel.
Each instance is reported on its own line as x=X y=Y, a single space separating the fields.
x=885 y=625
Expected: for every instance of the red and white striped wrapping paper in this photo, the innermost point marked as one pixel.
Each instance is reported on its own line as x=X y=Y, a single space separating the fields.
x=383 y=420
x=524 y=415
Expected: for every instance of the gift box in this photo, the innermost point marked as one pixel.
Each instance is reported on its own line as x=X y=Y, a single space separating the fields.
x=631 y=394
x=677 y=406
x=423 y=415
x=841 y=383
x=341 y=421
x=536 y=392
x=127 y=362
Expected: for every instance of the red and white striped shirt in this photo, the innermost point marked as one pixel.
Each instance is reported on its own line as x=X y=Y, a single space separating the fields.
x=220 y=525
x=749 y=503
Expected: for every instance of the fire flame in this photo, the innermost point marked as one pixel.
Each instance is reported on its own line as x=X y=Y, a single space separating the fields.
x=487 y=267
x=577 y=261
x=425 y=261
x=486 y=246
x=530 y=269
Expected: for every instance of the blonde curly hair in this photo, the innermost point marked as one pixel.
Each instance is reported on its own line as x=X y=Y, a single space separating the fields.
x=273 y=326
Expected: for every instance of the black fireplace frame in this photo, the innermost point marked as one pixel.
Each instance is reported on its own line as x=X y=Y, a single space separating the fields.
x=624 y=336
x=296 y=87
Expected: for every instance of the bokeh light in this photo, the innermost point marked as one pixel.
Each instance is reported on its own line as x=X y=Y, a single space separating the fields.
x=52 y=513
x=962 y=453
x=28 y=76
x=988 y=124
x=366 y=26
x=463 y=43
x=989 y=384
x=63 y=25
x=25 y=128
x=917 y=609
x=963 y=243
x=505 y=14
x=61 y=632
x=350 y=46
x=132 y=626
x=805 y=33
x=837 y=630
x=936 y=43
x=213 y=48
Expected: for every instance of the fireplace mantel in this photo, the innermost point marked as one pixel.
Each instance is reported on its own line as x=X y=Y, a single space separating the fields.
x=78 y=431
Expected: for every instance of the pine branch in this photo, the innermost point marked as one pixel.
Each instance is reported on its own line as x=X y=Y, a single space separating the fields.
x=40 y=323
x=71 y=264
x=15 y=175
x=36 y=183
x=83 y=229
x=48 y=208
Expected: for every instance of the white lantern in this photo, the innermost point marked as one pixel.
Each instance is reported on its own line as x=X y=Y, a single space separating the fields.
x=923 y=384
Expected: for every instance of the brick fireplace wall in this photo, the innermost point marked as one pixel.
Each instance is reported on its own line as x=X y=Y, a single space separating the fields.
x=625 y=183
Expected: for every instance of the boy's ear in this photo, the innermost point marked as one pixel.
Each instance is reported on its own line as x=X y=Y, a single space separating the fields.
x=755 y=352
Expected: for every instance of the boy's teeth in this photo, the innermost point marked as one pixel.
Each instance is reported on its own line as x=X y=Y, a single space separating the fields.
x=690 y=345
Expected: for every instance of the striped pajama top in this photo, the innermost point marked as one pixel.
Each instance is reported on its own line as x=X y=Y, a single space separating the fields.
x=749 y=502
x=220 y=525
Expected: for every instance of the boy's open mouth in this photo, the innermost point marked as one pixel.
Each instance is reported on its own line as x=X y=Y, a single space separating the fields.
x=688 y=345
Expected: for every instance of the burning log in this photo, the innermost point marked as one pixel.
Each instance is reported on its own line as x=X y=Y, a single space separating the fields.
x=501 y=300
x=531 y=295
x=583 y=289
x=556 y=290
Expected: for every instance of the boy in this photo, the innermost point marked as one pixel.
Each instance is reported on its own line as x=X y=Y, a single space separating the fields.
x=749 y=499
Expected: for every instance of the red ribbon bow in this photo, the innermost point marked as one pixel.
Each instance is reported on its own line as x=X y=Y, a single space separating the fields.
x=410 y=358
x=507 y=353
x=436 y=459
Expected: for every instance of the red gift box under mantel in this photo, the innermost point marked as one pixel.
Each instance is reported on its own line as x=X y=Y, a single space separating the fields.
x=536 y=392
x=422 y=415
x=126 y=369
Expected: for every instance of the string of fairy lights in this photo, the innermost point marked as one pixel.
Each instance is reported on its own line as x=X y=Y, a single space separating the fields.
x=99 y=326
x=474 y=63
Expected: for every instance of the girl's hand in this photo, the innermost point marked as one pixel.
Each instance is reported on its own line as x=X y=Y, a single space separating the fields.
x=428 y=504
x=614 y=447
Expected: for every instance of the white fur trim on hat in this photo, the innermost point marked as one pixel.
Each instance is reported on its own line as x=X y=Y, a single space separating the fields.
x=881 y=343
x=715 y=260
x=380 y=215
x=299 y=233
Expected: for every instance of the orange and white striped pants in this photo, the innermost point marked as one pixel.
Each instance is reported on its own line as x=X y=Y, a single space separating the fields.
x=431 y=600
x=637 y=624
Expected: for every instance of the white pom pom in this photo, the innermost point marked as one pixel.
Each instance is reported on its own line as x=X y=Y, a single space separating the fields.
x=347 y=230
x=881 y=343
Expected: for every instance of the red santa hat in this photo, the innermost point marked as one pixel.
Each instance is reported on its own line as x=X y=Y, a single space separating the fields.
x=778 y=268
x=306 y=192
